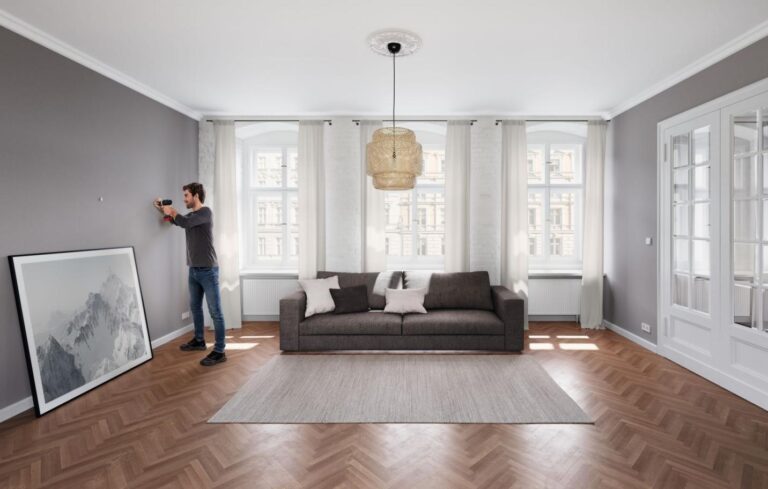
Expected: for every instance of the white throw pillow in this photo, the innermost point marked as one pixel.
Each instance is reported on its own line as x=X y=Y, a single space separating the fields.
x=403 y=301
x=318 y=292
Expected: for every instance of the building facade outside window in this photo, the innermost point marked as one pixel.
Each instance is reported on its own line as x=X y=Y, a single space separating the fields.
x=268 y=195
x=556 y=155
x=415 y=219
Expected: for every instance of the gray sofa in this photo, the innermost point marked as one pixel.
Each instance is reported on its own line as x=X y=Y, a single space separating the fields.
x=464 y=312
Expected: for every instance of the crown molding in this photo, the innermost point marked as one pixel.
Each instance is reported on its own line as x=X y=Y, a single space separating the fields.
x=56 y=45
x=750 y=37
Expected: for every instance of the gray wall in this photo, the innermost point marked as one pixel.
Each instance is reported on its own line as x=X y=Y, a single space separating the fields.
x=630 y=182
x=68 y=136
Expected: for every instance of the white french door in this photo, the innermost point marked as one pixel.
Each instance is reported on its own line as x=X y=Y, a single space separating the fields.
x=690 y=251
x=744 y=338
x=713 y=241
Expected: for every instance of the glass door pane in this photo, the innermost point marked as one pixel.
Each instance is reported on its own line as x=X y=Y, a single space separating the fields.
x=680 y=150
x=750 y=211
x=745 y=133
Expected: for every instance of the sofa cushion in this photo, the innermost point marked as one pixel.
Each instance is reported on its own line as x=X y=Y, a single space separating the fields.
x=350 y=299
x=371 y=322
x=376 y=283
x=319 y=299
x=460 y=290
x=453 y=321
x=402 y=301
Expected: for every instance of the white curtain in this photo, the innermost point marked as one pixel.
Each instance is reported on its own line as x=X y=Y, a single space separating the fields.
x=311 y=200
x=457 y=156
x=374 y=219
x=591 y=312
x=225 y=226
x=514 y=210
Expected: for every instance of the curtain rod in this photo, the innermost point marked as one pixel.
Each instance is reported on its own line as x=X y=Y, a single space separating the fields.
x=498 y=121
x=472 y=121
x=329 y=121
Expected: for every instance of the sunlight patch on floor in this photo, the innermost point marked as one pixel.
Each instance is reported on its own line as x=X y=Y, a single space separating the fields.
x=241 y=346
x=578 y=346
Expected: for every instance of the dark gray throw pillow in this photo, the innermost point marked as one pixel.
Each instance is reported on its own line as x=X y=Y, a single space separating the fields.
x=350 y=299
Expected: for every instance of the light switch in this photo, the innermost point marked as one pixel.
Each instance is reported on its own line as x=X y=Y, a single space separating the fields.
x=649 y=241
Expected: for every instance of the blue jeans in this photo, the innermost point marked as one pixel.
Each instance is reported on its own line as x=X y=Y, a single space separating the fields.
x=205 y=280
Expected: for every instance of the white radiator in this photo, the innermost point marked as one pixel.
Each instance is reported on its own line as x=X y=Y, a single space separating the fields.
x=554 y=296
x=261 y=296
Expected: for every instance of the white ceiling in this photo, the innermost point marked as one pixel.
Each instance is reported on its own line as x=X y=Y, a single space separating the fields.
x=309 y=57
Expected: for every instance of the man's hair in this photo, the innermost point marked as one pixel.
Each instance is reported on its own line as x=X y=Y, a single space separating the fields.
x=195 y=188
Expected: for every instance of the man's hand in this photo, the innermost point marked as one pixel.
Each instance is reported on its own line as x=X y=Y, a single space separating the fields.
x=169 y=211
x=158 y=204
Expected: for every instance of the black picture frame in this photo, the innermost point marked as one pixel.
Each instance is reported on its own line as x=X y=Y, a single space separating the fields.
x=45 y=403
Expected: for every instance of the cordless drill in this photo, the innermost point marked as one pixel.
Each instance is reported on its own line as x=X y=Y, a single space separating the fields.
x=165 y=202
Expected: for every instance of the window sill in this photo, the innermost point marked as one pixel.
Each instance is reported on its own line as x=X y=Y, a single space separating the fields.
x=544 y=274
x=265 y=274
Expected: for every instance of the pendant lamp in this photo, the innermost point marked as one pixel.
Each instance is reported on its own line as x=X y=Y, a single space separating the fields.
x=394 y=157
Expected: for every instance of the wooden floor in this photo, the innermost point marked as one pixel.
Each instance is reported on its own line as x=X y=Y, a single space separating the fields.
x=657 y=425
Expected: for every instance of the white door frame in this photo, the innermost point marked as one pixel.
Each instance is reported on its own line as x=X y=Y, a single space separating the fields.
x=725 y=370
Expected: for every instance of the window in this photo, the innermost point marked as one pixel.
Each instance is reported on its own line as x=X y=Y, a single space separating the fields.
x=422 y=216
x=268 y=195
x=557 y=217
x=415 y=219
x=262 y=246
x=423 y=244
x=556 y=243
x=555 y=189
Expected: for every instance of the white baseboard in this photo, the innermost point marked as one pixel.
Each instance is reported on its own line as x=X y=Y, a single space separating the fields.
x=16 y=408
x=630 y=336
x=172 y=335
x=27 y=403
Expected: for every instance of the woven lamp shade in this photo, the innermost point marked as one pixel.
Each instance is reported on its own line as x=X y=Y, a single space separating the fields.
x=397 y=173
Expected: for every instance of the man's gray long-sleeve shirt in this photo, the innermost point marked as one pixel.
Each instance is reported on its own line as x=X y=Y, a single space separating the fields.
x=198 y=226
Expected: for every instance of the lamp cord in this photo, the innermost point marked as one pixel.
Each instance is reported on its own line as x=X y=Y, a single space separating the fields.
x=394 y=156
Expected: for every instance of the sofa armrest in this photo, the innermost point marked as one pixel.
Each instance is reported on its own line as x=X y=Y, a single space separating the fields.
x=292 y=309
x=510 y=308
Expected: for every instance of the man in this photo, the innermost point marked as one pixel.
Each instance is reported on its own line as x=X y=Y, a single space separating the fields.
x=203 y=270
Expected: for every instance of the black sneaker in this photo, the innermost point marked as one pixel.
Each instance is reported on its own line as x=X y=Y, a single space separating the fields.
x=213 y=358
x=193 y=344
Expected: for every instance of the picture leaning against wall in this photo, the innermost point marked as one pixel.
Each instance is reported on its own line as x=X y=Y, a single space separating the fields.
x=82 y=320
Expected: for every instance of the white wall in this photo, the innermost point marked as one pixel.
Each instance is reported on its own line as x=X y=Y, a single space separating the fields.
x=343 y=171
x=485 y=198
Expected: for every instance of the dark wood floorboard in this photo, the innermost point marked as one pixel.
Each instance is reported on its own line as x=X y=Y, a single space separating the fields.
x=657 y=425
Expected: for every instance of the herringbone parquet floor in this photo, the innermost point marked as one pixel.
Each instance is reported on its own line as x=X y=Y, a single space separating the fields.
x=657 y=425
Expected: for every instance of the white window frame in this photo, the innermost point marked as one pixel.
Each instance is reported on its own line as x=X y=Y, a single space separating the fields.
x=547 y=261
x=250 y=261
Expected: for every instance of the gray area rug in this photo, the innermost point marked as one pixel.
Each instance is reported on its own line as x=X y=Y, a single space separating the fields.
x=401 y=388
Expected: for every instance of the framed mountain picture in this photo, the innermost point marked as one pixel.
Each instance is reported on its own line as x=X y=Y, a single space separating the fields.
x=82 y=320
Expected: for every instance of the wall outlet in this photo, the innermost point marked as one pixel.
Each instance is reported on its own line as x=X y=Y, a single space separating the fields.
x=645 y=327
x=185 y=315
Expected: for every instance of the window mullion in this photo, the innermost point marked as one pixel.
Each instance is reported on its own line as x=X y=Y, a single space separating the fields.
x=284 y=214
x=547 y=236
